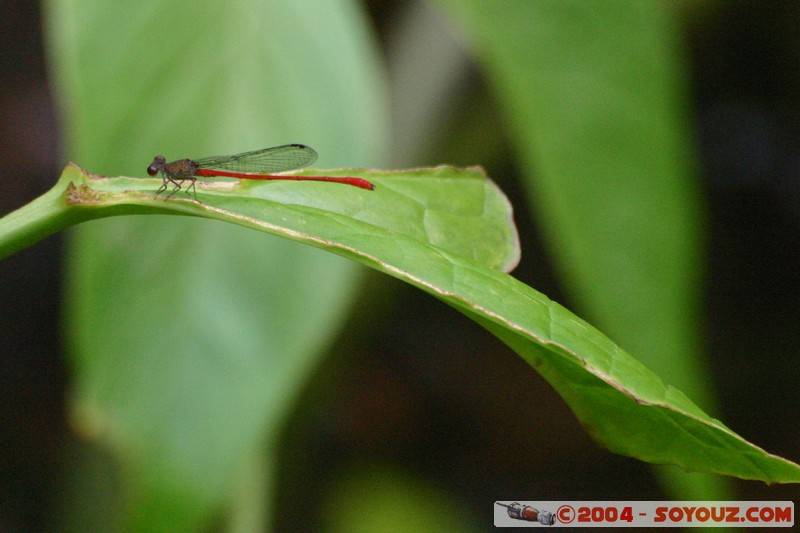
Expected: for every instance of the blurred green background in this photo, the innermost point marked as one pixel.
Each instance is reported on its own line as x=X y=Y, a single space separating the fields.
x=649 y=149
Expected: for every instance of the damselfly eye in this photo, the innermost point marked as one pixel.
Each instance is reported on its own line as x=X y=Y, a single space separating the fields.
x=152 y=170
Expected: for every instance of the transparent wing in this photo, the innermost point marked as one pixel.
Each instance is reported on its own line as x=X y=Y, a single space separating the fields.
x=265 y=161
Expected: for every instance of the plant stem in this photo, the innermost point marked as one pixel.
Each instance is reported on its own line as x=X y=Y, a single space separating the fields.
x=33 y=222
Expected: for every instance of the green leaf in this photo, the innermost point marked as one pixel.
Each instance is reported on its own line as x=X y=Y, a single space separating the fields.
x=190 y=340
x=593 y=94
x=592 y=90
x=622 y=404
x=455 y=210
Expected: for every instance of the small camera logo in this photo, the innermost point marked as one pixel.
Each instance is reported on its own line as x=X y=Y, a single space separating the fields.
x=528 y=513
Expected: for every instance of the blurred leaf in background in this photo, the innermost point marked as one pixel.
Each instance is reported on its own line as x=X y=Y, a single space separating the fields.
x=594 y=100
x=189 y=340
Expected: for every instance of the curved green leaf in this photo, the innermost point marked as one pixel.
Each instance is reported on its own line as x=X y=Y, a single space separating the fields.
x=622 y=404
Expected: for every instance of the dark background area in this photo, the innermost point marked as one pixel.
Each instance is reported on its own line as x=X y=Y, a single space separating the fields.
x=450 y=403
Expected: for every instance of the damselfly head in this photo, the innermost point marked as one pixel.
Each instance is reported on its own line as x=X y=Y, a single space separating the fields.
x=156 y=165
